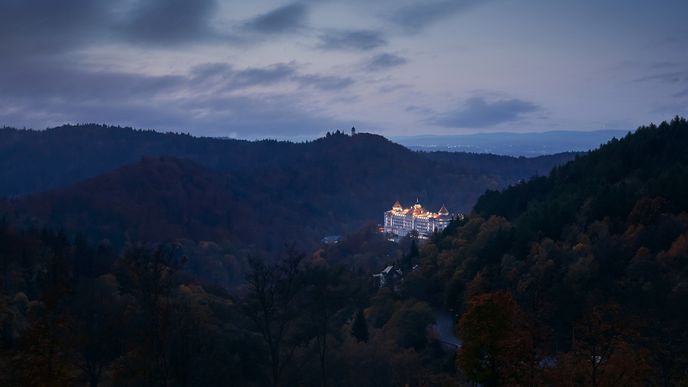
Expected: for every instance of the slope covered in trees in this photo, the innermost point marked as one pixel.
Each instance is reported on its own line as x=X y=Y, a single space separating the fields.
x=598 y=300
x=73 y=313
x=262 y=193
x=32 y=161
x=579 y=277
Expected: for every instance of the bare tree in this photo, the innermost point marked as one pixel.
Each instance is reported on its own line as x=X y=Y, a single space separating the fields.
x=271 y=304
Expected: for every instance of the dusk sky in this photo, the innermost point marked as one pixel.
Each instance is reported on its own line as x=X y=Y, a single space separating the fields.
x=253 y=69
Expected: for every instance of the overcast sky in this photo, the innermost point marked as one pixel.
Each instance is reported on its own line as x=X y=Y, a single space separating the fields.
x=253 y=69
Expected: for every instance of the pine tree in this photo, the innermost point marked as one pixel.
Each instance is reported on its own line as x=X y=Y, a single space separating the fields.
x=411 y=258
x=359 y=329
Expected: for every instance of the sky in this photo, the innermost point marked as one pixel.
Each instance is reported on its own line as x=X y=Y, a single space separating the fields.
x=294 y=70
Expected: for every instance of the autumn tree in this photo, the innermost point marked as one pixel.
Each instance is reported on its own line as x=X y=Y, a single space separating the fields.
x=604 y=352
x=494 y=343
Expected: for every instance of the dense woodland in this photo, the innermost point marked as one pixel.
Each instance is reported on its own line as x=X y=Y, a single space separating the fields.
x=224 y=200
x=40 y=160
x=578 y=278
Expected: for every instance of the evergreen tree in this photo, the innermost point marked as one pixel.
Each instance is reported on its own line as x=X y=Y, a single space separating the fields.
x=411 y=258
x=359 y=329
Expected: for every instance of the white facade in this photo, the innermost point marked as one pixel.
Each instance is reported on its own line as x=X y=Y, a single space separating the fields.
x=400 y=221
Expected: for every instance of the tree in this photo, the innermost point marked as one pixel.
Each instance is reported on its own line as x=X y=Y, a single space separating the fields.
x=149 y=273
x=494 y=345
x=359 y=328
x=604 y=352
x=271 y=305
x=326 y=294
x=409 y=325
x=99 y=311
x=411 y=258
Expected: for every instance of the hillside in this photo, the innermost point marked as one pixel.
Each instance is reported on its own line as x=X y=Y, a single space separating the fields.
x=264 y=193
x=34 y=161
x=595 y=256
x=154 y=198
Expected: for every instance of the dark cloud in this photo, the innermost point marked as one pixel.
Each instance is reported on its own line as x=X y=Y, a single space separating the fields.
x=210 y=99
x=384 y=61
x=39 y=28
x=477 y=112
x=673 y=74
x=170 y=21
x=276 y=73
x=673 y=77
x=211 y=71
x=325 y=82
x=420 y=110
x=393 y=87
x=245 y=116
x=72 y=82
x=416 y=17
x=224 y=76
x=260 y=115
x=284 y=19
x=681 y=94
x=32 y=27
x=361 y=40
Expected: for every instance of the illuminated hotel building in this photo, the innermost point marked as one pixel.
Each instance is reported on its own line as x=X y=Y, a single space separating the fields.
x=400 y=221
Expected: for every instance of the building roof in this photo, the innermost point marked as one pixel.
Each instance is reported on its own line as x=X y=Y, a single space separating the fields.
x=417 y=210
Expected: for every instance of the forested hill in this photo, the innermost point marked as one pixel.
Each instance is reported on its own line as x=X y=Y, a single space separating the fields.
x=260 y=193
x=590 y=262
x=650 y=163
x=34 y=161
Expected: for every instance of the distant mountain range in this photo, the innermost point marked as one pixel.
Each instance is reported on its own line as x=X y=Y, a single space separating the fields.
x=512 y=144
x=120 y=183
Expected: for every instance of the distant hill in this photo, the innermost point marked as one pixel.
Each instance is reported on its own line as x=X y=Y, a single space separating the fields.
x=263 y=192
x=33 y=161
x=513 y=144
x=156 y=198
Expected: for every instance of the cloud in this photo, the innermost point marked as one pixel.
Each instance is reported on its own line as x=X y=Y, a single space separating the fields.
x=384 y=61
x=69 y=81
x=280 y=20
x=254 y=76
x=29 y=27
x=36 y=29
x=673 y=77
x=393 y=87
x=422 y=14
x=359 y=40
x=211 y=99
x=325 y=82
x=170 y=21
x=224 y=76
x=681 y=94
x=668 y=73
x=477 y=112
